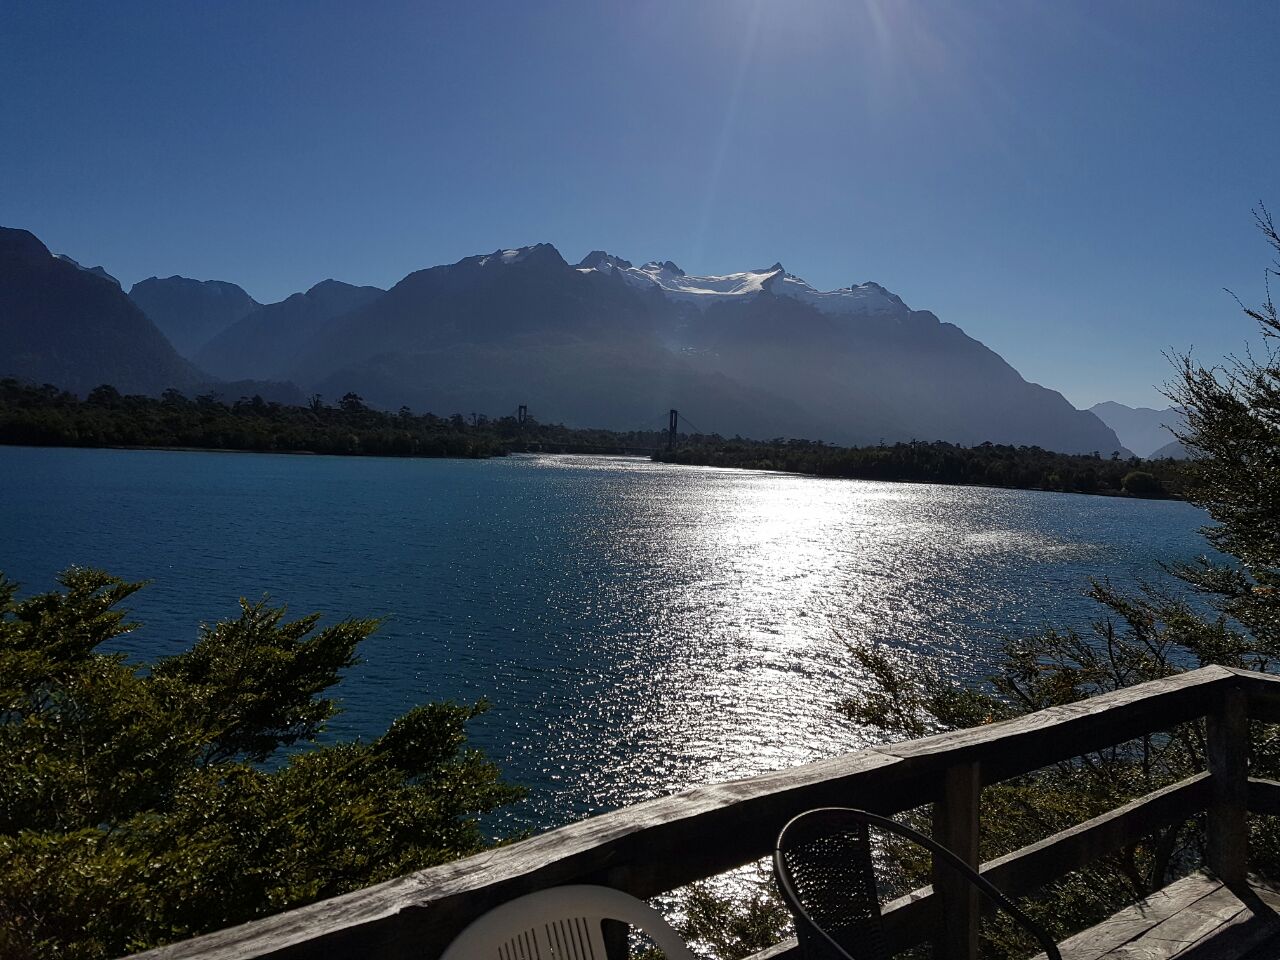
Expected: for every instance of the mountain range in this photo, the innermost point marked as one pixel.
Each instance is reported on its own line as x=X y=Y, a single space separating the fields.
x=1147 y=432
x=191 y=312
x=74 y=327
x=265 y=342
x=602 y=342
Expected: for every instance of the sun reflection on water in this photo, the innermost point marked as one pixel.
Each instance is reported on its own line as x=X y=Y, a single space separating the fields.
x=721 y=605
x=638 y=628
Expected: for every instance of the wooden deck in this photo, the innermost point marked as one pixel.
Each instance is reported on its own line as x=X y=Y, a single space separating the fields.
x=666 y=843
x=1197 y=918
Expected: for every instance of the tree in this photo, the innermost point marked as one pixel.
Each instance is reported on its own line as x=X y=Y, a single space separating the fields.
x=1233 y=424
x=1140 y=483
x=146 y=803
x=352 y=403
x=104 y=395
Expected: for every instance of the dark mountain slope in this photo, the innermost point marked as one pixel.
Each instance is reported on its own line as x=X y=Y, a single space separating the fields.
x=96 y=271
x=895 y=375
x=1173 y=450
x=64 y=325
x=267 y=343
x=579 y=384
x=191 y=312
x=484 y=300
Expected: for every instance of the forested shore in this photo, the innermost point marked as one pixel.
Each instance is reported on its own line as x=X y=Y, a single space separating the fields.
x=47 y=416
x=988 y=464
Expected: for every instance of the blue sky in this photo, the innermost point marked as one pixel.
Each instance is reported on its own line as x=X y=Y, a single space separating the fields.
x=1071 y=183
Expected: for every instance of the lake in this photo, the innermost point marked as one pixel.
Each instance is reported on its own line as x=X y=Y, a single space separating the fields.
x=638 y=627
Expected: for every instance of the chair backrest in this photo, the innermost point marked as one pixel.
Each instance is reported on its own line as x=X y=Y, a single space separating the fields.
x=825 y=871
x=562 y=923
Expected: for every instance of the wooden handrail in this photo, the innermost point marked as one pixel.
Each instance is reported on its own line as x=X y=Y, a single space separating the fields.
x=663 y=844
x=1032 y=866
x=908 y=921
x=1264 y=796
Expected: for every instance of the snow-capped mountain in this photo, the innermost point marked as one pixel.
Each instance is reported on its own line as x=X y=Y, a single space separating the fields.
x=760 y=352
x=864 y=298
x=606 y=343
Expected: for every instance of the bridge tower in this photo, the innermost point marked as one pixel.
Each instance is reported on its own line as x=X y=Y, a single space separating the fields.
x=673 y=423
x=522 y=414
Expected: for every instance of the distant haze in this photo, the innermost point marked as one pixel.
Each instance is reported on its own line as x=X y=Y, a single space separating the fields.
x=1143 y=430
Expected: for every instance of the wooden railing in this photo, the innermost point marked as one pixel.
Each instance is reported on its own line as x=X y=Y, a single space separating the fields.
x=658 y=846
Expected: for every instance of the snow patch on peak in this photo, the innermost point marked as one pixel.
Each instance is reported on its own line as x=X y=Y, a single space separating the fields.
x=678 y=285
x=514 y=254
x=859 y=299
x=664 y=276
x=871 y=287
x=603 y=261
x=663 y=267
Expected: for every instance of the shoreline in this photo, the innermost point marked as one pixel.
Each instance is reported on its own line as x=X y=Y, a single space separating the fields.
x=169 y=448
x=1114 y=494
x=1117 y=494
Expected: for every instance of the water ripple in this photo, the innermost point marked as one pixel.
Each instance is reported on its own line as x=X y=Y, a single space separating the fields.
x=637 y=627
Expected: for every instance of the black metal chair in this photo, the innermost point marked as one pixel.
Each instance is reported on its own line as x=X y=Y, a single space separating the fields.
x=824 y=868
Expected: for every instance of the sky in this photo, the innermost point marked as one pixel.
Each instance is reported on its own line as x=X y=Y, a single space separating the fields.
x=1070 y=183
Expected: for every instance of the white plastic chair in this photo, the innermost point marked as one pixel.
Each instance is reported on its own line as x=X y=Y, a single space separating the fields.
x=562 y=923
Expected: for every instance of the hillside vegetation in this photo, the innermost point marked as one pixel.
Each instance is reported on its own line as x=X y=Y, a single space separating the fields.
x=46 y=416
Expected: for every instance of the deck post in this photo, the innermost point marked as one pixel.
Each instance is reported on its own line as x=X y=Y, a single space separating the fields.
x=955 y=826
x=1227 y=744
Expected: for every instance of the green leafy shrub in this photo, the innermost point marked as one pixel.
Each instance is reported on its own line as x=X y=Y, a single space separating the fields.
x=145 y=803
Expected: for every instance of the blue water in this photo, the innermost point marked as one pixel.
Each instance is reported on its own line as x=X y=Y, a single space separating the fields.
x=637 y=627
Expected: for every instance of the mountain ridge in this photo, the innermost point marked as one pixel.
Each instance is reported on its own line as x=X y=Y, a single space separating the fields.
x=191 y=312
x=268 y=340
x=767 y=331
x=63 y=324
x=1146 y=431
x=604 y=343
